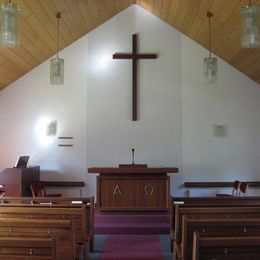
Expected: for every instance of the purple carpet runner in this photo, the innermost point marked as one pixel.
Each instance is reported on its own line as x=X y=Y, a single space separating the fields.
x=129 y=236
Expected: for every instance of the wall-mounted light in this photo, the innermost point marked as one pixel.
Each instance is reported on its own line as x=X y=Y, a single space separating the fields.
x=51 y=128
x=210 y=63
x=45 y=130
x=250 y=26
x=57 y=64
x=9 y=24
x=219 y=130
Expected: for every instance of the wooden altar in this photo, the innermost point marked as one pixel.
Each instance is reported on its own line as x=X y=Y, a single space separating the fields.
x=133 y=188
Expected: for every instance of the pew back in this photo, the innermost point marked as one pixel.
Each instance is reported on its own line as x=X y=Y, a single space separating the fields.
x=27 y=248
x=62 y=230
x=70 y=208
x=216 y=227
x=209 y=202
x=231 y=247
x=56 y=202
x=213 y=212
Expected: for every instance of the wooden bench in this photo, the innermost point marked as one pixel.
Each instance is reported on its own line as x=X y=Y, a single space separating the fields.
x=230 y=247
x=32 y=235
x=86 y=228
x=55 y=200
x=218 y=201
x=213 y=212
x=75 y=213
x=12 y=248
x=209 y=202
x=62 y=230
x=213 y=227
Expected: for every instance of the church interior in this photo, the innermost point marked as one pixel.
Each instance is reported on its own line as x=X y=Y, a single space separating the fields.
x=130 y=129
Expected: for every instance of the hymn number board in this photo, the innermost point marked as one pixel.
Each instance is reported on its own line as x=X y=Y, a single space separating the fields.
x=134 y=56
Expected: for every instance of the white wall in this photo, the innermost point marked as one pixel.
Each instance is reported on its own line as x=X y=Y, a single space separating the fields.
x=176 y=109
x=233 y=101
x=30 y=99
x=111 y=134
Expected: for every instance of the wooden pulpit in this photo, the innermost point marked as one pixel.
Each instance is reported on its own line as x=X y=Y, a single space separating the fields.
x=133 y=188
x=16 y=181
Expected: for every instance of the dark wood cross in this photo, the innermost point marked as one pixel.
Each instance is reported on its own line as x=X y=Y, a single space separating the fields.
x=134 y=56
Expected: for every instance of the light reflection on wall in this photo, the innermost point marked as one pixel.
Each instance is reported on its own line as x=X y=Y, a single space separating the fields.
x=104 y=61
x=41 y=128
x=101 y=62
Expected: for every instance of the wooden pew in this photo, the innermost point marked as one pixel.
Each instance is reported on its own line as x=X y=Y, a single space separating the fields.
x=213 y=212
x=55 y=200
x=218 y=201
x=75 y=213
x=231 y=247
x=209 y=202
x=62 y=230
x=87 y=225
x=14 y=248
x=213 y=227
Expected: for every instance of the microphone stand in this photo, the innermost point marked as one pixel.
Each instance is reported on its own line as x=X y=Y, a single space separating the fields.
x=133 y=156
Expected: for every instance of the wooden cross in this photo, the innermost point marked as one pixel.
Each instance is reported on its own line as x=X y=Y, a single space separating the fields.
x=134 y=56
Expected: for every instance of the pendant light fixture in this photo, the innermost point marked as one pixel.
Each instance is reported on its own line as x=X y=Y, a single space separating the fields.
x=57 y=64
x=9 y=24
x=210 y=63
x=250 y=27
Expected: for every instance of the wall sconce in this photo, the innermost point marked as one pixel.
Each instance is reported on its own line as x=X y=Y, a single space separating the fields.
x=250 y=26
x=219 y=130
x=51 y=128
x=9 y=24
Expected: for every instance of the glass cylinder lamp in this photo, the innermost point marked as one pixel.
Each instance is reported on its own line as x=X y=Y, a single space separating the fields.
x=250 y=29
x=210 y=69
x=9 y=24
x=57 y=71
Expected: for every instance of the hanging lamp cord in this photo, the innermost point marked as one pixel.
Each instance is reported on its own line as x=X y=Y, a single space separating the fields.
x=209 y=15
x=58 y=16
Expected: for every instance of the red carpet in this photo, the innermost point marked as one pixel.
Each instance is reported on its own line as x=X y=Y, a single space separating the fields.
x=129 y=236
x=132 y=223
x=132 y=247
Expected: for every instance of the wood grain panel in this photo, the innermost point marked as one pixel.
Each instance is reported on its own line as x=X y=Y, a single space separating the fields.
x=38 y=11
x=34 y=51
x=227 y=11
x=9 y=54
x=11 y=66
x=190 y=16
x=165 y=9
x=173 y=12
x=39 y=29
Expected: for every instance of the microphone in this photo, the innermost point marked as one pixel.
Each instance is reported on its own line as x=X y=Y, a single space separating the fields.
x=133 y=156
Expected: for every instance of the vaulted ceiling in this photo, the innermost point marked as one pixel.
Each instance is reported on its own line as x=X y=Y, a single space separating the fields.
x=39 y=29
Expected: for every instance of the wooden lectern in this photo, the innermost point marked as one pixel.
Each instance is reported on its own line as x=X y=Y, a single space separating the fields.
x=16 y=181
x=133 y=188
